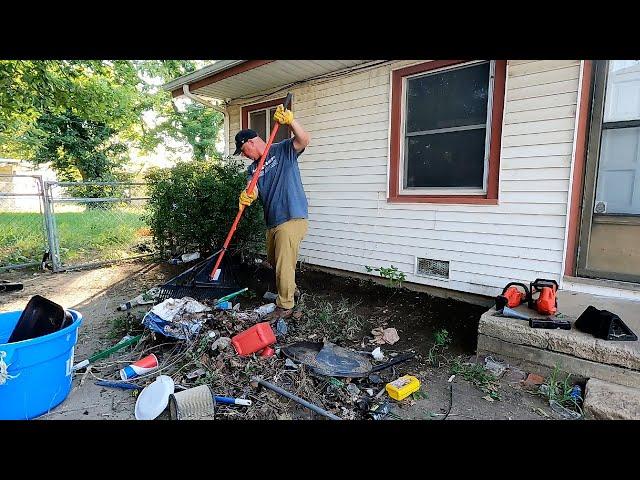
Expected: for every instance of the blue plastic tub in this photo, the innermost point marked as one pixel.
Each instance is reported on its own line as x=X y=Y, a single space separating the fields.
x=40 y=367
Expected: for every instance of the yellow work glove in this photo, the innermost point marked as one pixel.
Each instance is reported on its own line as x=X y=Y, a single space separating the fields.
x=247 y=199
x=282 y=116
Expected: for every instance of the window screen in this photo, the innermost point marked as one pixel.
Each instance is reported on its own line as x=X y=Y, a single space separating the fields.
x=446 y=128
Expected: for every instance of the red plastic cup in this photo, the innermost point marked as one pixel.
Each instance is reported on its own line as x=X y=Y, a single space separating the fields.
x=142 y=366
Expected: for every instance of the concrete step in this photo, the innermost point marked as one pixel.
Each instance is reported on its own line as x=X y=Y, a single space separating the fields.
x=573 y=351
x=609 y=401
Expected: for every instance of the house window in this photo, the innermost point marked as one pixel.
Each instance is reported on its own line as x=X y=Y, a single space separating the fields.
x=259 y=117
x=446 y=126
x=618 y=184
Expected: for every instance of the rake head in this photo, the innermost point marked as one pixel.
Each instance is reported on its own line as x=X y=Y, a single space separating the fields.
x=195 y=282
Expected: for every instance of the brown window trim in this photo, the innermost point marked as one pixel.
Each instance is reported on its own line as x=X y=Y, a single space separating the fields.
x=491 y=197
x=259 y=106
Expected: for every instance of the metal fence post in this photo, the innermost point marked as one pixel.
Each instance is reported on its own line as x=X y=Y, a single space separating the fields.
x=52 y=230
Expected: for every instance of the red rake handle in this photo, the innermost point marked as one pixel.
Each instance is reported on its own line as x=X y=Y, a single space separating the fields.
x=252 y=185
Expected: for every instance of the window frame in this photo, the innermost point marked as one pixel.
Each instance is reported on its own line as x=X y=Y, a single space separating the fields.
x=489 y=194
x=247 y=109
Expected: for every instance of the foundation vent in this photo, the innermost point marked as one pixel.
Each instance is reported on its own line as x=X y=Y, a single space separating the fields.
x=432 y=268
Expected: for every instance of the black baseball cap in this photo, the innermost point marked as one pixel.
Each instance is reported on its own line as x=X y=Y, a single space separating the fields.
x=242 y=136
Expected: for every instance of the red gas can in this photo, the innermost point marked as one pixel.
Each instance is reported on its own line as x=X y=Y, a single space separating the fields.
x=253 y=339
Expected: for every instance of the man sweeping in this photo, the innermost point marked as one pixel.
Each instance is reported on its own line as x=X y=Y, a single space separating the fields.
x=284 y=201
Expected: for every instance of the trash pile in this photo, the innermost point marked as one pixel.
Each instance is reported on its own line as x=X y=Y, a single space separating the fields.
x=211 y=359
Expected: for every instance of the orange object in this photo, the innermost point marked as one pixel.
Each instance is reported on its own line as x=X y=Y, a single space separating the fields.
x=512 y=296
x=547 y=300
x=253 y=339
x=267 y=352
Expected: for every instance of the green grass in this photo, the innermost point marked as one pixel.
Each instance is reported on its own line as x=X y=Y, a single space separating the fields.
x=86 y=236
x=560 y=390
x=478 y=375
x=21 y=238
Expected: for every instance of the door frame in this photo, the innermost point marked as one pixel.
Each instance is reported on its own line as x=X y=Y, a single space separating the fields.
x=599 y=84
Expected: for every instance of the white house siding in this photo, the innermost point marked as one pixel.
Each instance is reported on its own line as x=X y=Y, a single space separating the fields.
x=344 y=171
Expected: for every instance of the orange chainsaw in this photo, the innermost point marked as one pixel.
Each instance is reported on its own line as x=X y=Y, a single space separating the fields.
x=547 y=300
x=512 y=296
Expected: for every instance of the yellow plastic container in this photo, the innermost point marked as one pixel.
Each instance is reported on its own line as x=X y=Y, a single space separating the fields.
x=402 y=387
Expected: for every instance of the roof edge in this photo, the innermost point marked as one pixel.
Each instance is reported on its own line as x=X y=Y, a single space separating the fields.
x=217 y=67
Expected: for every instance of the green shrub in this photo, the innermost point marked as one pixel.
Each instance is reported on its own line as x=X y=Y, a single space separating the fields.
x=193 y=205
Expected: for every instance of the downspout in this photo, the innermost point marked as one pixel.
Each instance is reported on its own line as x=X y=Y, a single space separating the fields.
x=196 y=98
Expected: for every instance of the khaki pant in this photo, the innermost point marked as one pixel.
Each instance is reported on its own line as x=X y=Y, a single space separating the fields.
x=283 y=243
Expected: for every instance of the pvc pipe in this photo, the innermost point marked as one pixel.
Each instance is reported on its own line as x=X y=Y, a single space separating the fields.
x=293 y=397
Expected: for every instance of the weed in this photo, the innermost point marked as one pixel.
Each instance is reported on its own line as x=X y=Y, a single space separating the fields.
x=395 y=276
x=419 y=394
x=333 y=320
x=442 y=339
x=478 y=375
x=126 y=324
x=560 y=391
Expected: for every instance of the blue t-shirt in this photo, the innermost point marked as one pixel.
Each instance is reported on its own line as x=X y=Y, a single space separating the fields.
x=280 y=186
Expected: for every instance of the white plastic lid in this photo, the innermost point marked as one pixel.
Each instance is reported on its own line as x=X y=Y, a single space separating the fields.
x=153 y=399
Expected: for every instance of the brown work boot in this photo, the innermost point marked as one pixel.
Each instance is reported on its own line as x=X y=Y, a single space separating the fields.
x=277 y=314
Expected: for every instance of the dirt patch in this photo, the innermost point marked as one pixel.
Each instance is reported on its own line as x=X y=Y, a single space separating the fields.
x=416 y=317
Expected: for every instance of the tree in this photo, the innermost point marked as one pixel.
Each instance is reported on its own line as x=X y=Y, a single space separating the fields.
x=103 y=92
x=82 y=115
x=197 y=125
x=78 y=149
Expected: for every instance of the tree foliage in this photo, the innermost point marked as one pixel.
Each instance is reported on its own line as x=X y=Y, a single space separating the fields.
x=197 y=125
x=84 y=115
x=193 y=205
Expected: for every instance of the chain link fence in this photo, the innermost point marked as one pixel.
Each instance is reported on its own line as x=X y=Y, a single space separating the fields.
x=79 y=224
x=23 y=237
x=98 y=222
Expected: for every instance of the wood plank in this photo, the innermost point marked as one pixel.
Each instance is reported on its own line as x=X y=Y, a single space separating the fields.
x=537 y=163
x=375 y=131
x=539 y=103
x=535 y=186
x=320 y=235
x=341 y=147
x=544 y=138
x=341 y=171
x=410 y=231
x=533 y=91
x=541 y=66
x=527 y=128
x=552 y=113
x=534 y=197
x=495 y=258
x=548 y=173
x=532 y=151
x=571 y=72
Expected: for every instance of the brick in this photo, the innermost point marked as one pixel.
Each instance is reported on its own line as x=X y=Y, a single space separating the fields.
x=533 y=380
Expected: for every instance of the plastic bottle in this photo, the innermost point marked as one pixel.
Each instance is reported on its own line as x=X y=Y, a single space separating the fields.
x=265 y=309
x=576 y=393
x=187 y=257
